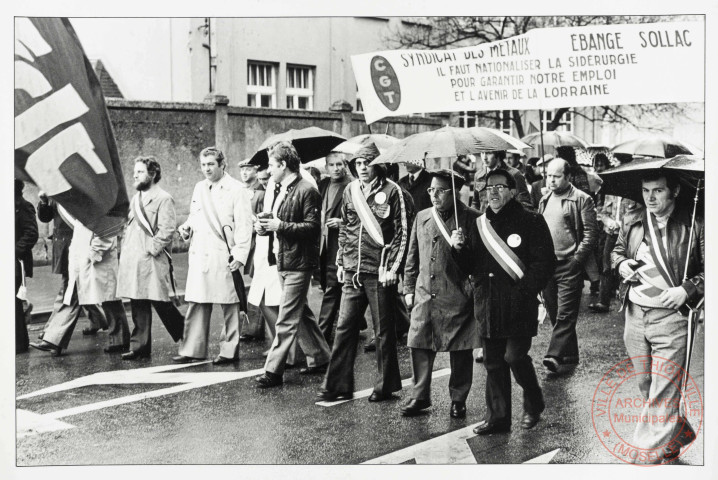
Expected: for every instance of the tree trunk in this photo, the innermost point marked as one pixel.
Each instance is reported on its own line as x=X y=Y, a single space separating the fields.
x=516 y=117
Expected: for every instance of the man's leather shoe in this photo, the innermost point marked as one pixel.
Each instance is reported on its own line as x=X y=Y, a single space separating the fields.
x=371 y=346
x=183 y=359
x=268 y=380
x=551 y=364
x=247 y=338
x=313 y=370
x=220 y=360
x=327 y=396
x=380 y=397
x=415 y=407
x=116 y=348
x=458 y=410
x=47 y=347
x=529 y=420
x=134 y=355
x=480 y=356
x=487 y=428
x=598 y=307
x=90 y=331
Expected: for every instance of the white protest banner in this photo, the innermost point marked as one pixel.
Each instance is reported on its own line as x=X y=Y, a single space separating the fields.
x=545 y=68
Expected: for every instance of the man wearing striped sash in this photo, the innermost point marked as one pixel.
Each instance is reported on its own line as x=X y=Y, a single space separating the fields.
x=512 y=258
x=144 y=275
x=651 y=254
x=436 y=286
x=372 y=242
x=220 y=215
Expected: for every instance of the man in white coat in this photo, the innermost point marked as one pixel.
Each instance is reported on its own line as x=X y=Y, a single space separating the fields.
x=92 y=271
x=220 y=216
x=145 y=264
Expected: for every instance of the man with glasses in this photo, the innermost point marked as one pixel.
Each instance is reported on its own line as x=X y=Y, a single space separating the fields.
x=511 y=256
x=372 y=241
x=436 y=286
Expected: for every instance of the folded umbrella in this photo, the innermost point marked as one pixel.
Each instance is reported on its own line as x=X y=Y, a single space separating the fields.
x=236 y=276
x=311 y=143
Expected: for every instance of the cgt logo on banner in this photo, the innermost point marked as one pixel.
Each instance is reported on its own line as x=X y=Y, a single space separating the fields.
x=546 y=68
x=63 y=137
x=386 y=83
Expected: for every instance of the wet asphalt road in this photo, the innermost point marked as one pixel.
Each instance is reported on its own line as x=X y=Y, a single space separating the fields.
x=217 y=416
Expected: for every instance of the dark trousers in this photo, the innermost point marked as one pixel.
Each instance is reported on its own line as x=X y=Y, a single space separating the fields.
x=141 y=338
x=340 y=374
x=402 y=320
x=501 y=357
x=562 y=297
x=22 y=340
x=609 y=280
x=330 y=308
x=462 y=372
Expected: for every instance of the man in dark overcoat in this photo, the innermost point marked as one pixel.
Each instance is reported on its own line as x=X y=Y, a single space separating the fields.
x=511 y=252
x=438 y=288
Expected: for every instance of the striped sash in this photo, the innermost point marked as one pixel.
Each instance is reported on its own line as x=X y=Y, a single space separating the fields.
x=498 y=249
x=366 y=216
x=442 y=225
x=210 y=212
x=139 y=212
x=658 y=251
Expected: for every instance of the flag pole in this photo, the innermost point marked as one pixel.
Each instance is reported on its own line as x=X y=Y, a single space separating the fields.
x=453 y=192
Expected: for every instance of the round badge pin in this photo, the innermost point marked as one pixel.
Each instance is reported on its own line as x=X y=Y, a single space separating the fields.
x=380 y=198
x=514 y=240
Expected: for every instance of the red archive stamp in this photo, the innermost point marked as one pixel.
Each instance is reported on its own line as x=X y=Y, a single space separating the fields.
x=619 y=410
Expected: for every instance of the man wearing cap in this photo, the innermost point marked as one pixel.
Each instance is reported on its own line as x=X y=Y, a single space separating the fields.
x=253 y=324
x=436 y=285
x=511 y=255
x=219 y=216
x=332 y=191
x=372 y=242
x=492 y=161
x=571 y=217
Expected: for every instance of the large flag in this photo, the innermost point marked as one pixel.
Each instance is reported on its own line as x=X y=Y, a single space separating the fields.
x=63 y=136
x=545 y=68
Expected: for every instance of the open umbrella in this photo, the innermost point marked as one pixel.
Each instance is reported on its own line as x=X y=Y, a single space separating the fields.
x=311 y=143
x=659 y=146
x=444 y=142
x=625 y=180
x=551 y=140
x=381 y=140
x=513 y=143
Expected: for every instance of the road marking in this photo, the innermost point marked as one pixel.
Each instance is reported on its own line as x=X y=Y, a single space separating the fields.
x=545 y=458
x=365 y=393
x=448 y=449
x=150 y=375
x=30 y=423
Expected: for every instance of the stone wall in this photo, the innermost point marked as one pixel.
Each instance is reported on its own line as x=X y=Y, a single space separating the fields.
x=176 y=132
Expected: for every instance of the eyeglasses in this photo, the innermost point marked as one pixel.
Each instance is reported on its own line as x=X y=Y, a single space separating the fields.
x=438 y=191
x=496 y=188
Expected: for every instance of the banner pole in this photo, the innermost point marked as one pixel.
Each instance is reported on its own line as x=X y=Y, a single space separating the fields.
x=543 y=151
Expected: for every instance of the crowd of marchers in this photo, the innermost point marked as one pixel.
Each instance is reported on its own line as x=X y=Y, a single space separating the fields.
x=474 y=275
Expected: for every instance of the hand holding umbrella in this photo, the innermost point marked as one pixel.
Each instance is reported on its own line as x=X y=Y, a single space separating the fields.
x=236 y=273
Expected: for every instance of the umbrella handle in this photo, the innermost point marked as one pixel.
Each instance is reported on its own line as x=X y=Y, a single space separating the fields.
x=226 y=242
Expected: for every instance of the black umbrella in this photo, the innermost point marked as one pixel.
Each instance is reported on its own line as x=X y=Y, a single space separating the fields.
x=659 y=146
x=311 y=143
x=236 y=276
x=625 y=180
